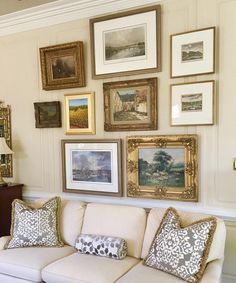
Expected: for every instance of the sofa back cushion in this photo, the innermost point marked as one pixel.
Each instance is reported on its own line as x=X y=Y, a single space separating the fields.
x=155 y=217
x=118 y=221
x=71 y=218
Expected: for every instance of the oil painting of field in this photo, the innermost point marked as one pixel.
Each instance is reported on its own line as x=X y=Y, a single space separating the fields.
x=161 y=167
x=78 y=113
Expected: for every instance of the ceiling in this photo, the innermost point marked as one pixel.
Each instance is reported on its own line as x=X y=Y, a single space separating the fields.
x=10 y=6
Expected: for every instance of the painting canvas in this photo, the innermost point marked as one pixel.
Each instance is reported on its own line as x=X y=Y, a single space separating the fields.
x=193 y=53
x=191 y=102
x=79 y=113
x=126 y=43
x=130 y=105
x=92 y=166
x=162 y=167
x=64 y=67
x=47 y=114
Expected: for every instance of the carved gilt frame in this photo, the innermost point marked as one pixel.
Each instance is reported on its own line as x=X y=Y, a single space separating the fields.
x=147 y=184
x=5 y=131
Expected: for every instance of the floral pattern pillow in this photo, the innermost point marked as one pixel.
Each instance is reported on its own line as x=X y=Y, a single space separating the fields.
x=181 y=251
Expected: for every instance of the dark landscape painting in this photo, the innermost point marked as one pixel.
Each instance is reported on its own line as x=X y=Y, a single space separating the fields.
x=191 y=102
x=47 y=113
x=131 y=104
x=161 y=167
x=78 y=113
x=63 y=67
x=91 y=166
x=192 y=52
x=125 y=43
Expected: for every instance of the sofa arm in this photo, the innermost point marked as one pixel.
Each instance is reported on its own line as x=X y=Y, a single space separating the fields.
x=3 y=241
x=212 y=273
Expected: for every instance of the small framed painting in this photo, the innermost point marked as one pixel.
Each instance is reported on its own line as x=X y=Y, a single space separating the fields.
x=80 y=113
x=62 y=66
x=47 y=114
x=126 y=43
x=162 y=167
x=193 y=53
x=192 y=103
x=130 y=105
x=92 y=167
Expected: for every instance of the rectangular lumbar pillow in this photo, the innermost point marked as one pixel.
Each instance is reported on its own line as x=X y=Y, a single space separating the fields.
x=35 y=226
x=181 y=251
x=106 y=246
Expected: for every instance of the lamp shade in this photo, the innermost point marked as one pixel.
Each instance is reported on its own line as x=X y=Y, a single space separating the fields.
x=4 y=149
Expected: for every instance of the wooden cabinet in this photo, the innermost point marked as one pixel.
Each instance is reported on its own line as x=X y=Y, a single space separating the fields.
x=7 y=195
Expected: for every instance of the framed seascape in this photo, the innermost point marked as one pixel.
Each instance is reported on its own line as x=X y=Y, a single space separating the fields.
x=162 y=167
x=126 y=43
x=62 y=66
x=92 y=167
x=80 y=113
x=193 y=53
x=192 y=103
x=130 y=105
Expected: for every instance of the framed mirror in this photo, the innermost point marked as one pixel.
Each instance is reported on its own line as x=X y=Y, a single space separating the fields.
x=5 y=131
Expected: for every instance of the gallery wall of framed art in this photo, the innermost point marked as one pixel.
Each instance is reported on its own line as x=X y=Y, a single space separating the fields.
x=124 y=92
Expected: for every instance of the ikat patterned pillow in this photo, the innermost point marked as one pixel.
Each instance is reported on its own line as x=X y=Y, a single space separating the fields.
x=35 y=227
x=181 y=251
x=106 y=246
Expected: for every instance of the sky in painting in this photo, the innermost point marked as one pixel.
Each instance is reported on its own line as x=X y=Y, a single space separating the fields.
x=92 y=160
x=78 y=102
x=125 y=36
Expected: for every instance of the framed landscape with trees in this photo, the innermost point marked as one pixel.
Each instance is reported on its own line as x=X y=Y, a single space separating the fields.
x=163 y=167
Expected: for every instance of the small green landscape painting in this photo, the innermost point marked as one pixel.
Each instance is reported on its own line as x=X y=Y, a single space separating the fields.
x=161 y=167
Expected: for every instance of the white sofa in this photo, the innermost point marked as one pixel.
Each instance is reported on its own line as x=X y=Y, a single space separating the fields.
x=65 y=265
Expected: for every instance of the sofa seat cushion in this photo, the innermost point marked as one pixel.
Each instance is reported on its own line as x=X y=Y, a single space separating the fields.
x=27 y=263
x=80 y=268
x=141 y=273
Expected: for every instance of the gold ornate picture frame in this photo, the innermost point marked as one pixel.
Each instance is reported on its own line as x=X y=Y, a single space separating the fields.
x=5 y=131
x=162 y=167
x=130 y=105
x=62 y=66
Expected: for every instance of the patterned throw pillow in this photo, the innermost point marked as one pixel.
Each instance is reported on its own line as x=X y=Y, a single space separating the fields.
x=35 y=227
x=181 y=251
x=106 y=246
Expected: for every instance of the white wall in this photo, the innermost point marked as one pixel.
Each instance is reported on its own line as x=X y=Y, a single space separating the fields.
x=37 y=159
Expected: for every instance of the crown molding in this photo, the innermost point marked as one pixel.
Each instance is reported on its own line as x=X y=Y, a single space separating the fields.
x=63 y=11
